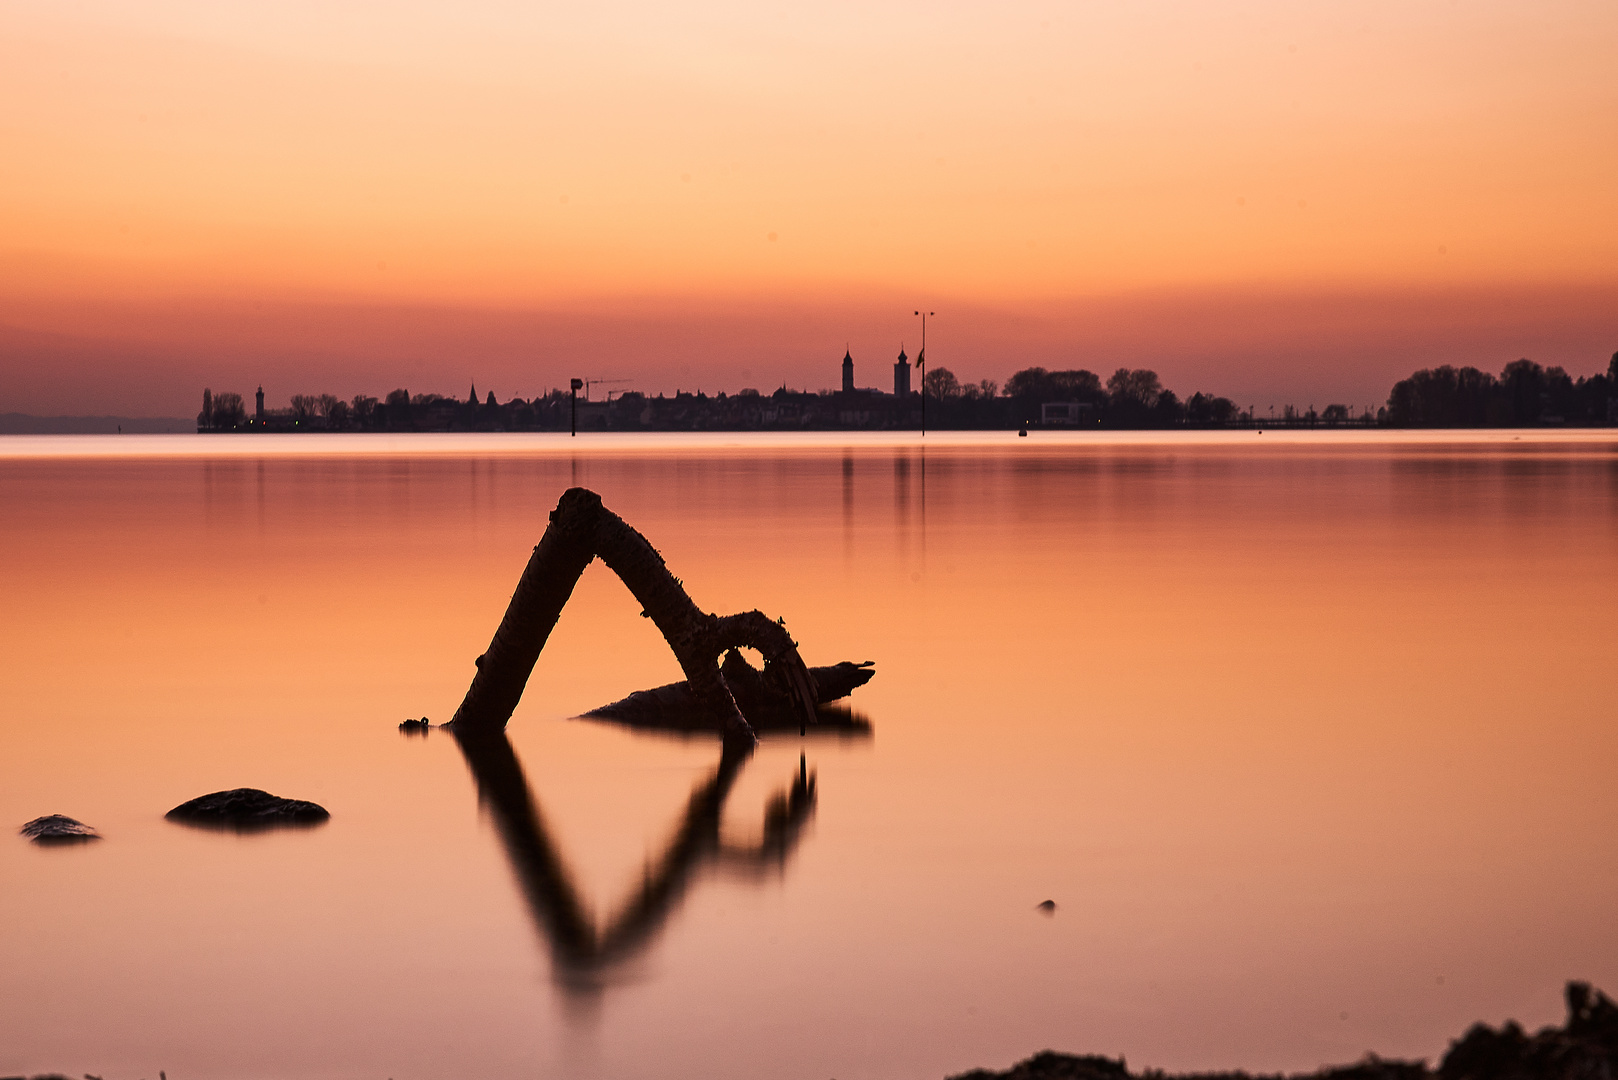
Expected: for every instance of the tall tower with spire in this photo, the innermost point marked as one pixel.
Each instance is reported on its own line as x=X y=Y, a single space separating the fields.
x=901 y=375
x=848 y=372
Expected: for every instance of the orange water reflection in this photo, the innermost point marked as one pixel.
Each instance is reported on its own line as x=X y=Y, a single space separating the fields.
x=1288 y=733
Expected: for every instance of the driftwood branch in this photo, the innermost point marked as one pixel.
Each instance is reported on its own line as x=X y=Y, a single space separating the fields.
x=582 y=529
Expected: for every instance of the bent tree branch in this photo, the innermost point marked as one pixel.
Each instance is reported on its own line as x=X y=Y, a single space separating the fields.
x=582 y=529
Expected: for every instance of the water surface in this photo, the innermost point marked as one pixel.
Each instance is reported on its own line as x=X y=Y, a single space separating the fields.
x=1310 y=740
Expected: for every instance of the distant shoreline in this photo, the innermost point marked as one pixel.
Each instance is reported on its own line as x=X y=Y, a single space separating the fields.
x=13 y=423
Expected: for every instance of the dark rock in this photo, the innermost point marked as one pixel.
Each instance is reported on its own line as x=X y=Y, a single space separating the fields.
x=1049 y=1065
x=247 y=808
x=1585 y=1048
x=1373 y=1068
x=58 y=829
x=415 y=727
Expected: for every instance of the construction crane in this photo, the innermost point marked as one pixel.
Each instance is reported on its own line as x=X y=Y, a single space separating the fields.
x=600 y=382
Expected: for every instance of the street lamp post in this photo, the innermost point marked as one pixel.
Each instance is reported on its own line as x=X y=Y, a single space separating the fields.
x=921 y=370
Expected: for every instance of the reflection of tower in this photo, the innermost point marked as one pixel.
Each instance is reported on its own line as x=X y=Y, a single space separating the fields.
x=901 y=376
x=901 y=503
x=258 y=408
x=848 y=507
x=848 y=372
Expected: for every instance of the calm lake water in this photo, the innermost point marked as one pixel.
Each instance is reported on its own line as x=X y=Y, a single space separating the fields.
x=1310 y=738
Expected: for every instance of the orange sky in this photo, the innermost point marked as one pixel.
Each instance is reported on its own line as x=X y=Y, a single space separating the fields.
x=1257 y=198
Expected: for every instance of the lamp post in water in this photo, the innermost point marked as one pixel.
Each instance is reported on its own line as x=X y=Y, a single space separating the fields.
x=573 y=405
x=921 y=370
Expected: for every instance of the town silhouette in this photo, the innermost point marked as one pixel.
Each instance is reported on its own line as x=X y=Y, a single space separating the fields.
x=1525 y=394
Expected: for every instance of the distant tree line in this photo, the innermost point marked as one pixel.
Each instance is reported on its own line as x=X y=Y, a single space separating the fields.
x=221 y=412
x=1130 y=398
x=1524 y=395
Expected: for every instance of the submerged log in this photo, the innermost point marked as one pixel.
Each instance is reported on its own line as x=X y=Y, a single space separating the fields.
x=581 y=529
x=674 y=707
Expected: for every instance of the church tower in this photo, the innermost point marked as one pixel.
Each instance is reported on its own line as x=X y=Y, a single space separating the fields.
x=901 y=376
x=258 y=407
x=848 y=372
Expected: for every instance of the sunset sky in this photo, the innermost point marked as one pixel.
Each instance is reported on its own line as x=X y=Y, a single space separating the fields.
x=1281 y=202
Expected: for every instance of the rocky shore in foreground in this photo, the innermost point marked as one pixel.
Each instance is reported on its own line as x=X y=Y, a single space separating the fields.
x=1584 y=1048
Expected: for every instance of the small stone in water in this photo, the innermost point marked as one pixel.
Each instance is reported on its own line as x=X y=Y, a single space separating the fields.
x=58 y=829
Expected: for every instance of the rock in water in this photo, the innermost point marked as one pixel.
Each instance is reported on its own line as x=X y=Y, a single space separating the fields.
x=58 y=829
x=247 y=808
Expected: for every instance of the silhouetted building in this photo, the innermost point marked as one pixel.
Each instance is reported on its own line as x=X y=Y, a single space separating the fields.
x=901 y=376
x=1065 y=413
x=258 y=405
x=848 y=372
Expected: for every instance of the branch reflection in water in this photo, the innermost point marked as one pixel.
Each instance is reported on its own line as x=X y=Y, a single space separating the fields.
x=583 y=954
